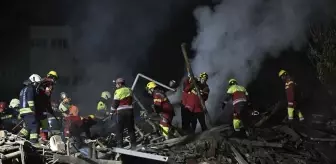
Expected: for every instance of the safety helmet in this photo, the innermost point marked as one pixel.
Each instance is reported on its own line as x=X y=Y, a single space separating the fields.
x=14 y=103
x=63 y=95
x=3 y=105
x=120 y=81
x=106 y=95
x=52 y=74
x=91 y=116
x=282 y=72
x=232 y=81
x=150 y=85
x=203 y=75
x=35 y=78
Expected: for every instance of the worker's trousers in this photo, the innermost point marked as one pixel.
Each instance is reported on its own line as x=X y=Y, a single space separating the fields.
x=186 y=117
x=291 y=109
x=238 y=109
x=31 y=128
x=125 y=119
x=200 y=116
x=43 y=127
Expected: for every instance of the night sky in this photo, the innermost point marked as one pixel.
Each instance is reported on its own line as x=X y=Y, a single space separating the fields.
x=163 y=60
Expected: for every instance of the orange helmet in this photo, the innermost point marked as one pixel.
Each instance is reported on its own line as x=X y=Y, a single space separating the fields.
x=73 y=110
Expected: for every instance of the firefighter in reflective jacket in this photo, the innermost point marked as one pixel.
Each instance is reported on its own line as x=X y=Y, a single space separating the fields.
x=239 y=97
x=43 y=105
x=103 y=105
x=197 y=109
x=292 y=97
x=162 y=106
x=123 y=108
x=27 y=108
x=8 y=117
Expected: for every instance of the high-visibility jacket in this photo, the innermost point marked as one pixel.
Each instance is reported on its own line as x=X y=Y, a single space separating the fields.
x=237 y=93
x=102 y=104
x=27 y=103
x=122 y=99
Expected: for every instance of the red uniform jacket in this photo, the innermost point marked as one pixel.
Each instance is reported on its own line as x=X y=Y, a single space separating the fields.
x=186 y=88
x=193 y=102
x=71 y=123
x=290 y=92
x=165 y=108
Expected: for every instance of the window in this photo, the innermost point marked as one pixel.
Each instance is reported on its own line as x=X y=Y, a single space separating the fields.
x=59 y=44
x=39 y=43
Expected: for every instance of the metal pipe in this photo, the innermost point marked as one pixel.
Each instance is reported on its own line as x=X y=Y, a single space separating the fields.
x=11 y=155
x=150 y=79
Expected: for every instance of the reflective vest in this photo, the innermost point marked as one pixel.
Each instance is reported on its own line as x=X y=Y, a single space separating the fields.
x=239 y=94
x=124 y=96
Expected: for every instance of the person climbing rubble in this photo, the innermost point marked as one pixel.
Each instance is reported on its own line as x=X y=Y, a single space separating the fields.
x=123 y=108
x=162 y=106
x=186 y=115
x=193 y=103
x=8 y=117
x=240 y=99
x=43 y=103
x=292 y=95
x=27 y=108
x=65 y=103
x=103 y=104
x=198 y=113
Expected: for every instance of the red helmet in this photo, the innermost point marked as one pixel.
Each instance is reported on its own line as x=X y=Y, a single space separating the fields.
x=3 y=106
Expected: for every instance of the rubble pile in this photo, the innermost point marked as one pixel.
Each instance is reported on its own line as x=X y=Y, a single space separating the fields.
x=279 y=144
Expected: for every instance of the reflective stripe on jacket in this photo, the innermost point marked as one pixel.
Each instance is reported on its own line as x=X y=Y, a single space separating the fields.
x=238 y=94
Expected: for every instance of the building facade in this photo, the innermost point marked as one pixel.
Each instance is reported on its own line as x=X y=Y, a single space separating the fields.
x=51 y=49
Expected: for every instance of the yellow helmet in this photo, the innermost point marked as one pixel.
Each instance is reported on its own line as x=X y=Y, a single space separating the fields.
x=204 y=75
x=91 y=116
x=106 y=95
x=282 y=72
x=52 y=73
x=232 y=81
x=150 y=85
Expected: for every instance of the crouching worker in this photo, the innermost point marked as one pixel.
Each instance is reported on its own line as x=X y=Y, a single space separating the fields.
x=27 y=108
x=162 y=106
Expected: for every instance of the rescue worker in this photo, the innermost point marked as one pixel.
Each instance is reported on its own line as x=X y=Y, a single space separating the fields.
x=52 y=75
x=186 y=115
x=162 y=106
x=43 y=105
x=240 y=98
x=292 y=95
x=122 y=106
x=8 y=117
x=193 y=103
x=198 y=114
x=103 y=105
x=64 y=104
x=72 y=119
x=27 y=108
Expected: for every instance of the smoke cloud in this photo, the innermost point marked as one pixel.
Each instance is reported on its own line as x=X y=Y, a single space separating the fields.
x=112 y=41
x=234 y=38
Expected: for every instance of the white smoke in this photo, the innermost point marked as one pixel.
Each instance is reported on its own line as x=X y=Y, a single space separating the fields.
x=234 y=38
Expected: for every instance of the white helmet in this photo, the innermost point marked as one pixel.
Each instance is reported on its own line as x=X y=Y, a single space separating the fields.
x=35 y=78
x=14 y=103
